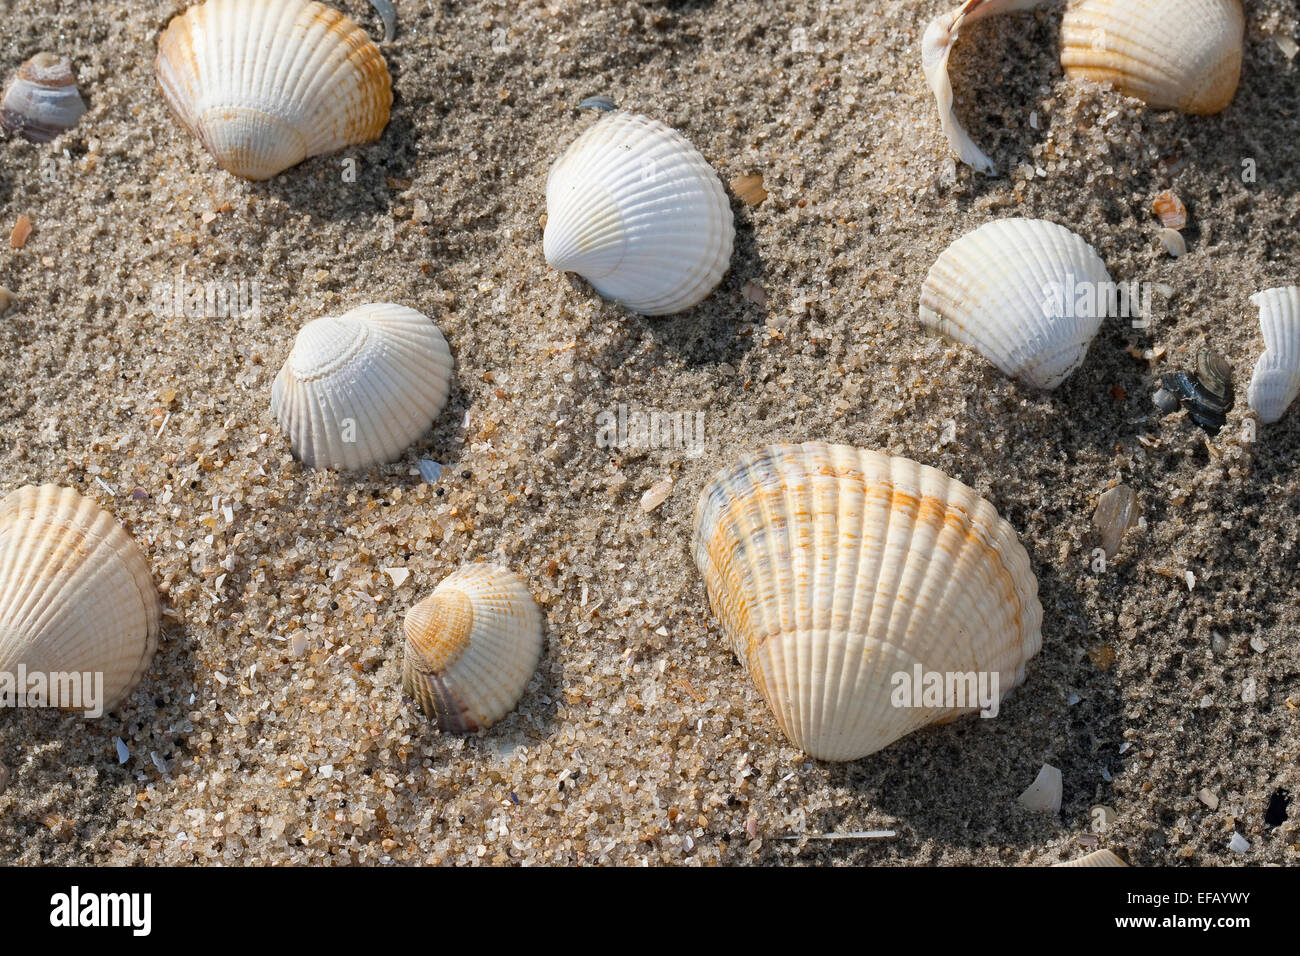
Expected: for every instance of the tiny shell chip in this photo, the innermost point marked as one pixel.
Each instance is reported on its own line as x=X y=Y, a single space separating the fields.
x=1028 y=294
x=1044 y=794
x=656 y=494
x=359 y=388
x=1171 y=54
x=76 y=593
x=1173 y=242
x=1117 y=511
x=1276 y=379
x=835 y=571
x=471 y=648
x=1170 y=210
x=638 y=212
x=1096 y=859
x=42 y=99
x=266 y=85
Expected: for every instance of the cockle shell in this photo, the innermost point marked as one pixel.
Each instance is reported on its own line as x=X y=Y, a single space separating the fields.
x=1095 y=859
x=42 y=99
x=1172 y=54
x=265 y=84
x=76 y=594
x=833 y=570
x=359 y=388
x=634 y=209
x=1276 y=381
x=1028 y=294
x=471 y=648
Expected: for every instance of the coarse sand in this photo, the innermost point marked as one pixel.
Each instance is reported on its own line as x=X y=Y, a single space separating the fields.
x=1173 y=700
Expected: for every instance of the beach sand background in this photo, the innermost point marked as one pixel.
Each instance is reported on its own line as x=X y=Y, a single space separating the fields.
x=641 y=739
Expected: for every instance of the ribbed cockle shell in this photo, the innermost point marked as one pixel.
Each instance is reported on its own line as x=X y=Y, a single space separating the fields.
x=634 y=209
x=471 y=648
x=1276 y=380
x=1028 y=294
x=76 y=594
x=838 y=574
x=265 y=84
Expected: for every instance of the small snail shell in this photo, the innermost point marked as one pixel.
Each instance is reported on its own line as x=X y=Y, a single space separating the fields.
x=42 y=99
x=265 y=84
x=76 y=593
x=1276 y=380
x=1028 y=294
x=471 y=648
x=359 y=388
x=634 y=209
x=835 y=569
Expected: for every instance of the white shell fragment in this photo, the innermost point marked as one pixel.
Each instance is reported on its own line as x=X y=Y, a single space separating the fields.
x=1044 y=794
x=358 y=389
x=1173 y=242
x=265 y=85
x=41 y=100
x=76 y=594
x=656 y=494
x=1028 y=294
x=1099 y=858
x=471 y=648
x=1276 y=381
x=837 y=572
x=634 y=209
x=1172 y=54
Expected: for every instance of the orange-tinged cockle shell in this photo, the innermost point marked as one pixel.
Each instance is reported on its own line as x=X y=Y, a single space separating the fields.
x=76 y=594
x=265 y=84
x=833 y=570
x=471 y=648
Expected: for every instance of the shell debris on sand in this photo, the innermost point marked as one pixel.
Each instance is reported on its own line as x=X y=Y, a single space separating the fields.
x=266 y=85
x=1276 y=380
x=1044 y=794
x=1094 y=859
x=825 y=609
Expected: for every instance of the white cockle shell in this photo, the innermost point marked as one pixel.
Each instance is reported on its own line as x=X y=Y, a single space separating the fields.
x=76 y=593
x=472 y=647
x=833 y=570
x=634 y=209
x=1028 y=294
x=359 y=388
x=1276 y=381
x=265 y=84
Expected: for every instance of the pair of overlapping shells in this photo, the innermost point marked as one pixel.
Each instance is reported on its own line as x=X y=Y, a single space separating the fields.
x=1028 y=294
x=358 y=389
x=833 y=570
x=265 y=84
x=1276 y=380
x=41 y=100
x=76 y=595
x=638 y=212
x=1172 y=54
x=472 y=647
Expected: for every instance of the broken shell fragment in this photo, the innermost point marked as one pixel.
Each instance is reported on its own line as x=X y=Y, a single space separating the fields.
x=359 y=388
x=42 y=99
x=76 y=593
x=1094 y=859
x=471 y=648
x=1173 y=242
x=1276 y=379
x=265 y=85
x=1170 y=210
x=1029 y=295
x=1044 y=794
x=1207 y=395
x=1117 y=511
x=634 y=209
x=837 y=572
x=1172 y=54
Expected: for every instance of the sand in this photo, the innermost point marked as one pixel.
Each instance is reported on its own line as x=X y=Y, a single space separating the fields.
x=641 y=740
